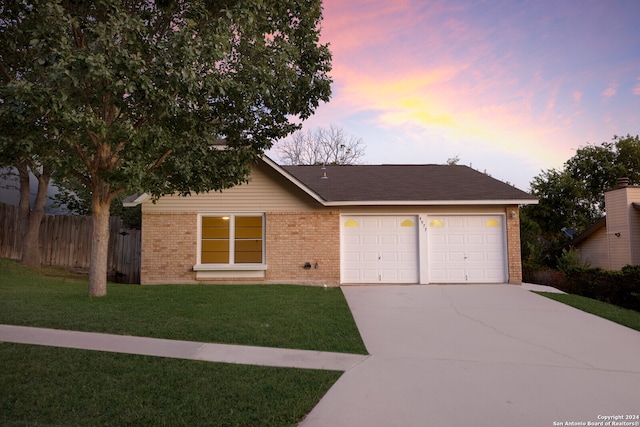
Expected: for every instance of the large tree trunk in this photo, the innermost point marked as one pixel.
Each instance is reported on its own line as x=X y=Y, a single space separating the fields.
x=100 y=204
x=31 y=254
x=24 y=205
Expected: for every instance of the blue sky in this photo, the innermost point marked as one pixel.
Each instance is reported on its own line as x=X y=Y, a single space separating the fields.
x=510 y=87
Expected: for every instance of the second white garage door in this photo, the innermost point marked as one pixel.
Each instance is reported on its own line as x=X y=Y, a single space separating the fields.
x=467 y=249
x=379 y=249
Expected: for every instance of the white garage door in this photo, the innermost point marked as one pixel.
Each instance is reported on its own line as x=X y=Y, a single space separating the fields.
x=466 y=249
x=379 y=249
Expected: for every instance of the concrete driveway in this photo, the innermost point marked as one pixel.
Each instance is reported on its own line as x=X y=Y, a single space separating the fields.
x=482 y=355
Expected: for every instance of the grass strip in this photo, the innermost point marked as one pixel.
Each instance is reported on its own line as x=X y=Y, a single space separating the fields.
x=45 y=386
x=622 y=316
x=284 y=316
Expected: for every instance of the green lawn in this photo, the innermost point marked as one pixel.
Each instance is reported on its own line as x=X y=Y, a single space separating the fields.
x=623 y=316
x=48 y=386
x=285 y=316
x=66 y=387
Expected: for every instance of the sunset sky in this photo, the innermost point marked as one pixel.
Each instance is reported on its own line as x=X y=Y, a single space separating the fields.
x=510 y=87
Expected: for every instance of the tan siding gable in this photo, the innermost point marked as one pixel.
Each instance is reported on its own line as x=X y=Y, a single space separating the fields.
x=595 y=250
x=267 y=191
x=618 y=207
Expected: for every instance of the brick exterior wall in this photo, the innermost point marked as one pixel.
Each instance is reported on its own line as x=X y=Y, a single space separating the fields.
x=514 y=258
x=169 y=249
x=295 y=238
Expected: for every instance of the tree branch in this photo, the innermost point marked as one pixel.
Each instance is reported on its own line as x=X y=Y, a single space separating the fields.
x=160 y=160
x=78 y=36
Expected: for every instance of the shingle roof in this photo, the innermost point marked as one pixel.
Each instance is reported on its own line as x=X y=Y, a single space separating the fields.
x=389 y=183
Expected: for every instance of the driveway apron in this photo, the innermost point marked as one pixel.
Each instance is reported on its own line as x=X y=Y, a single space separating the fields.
x=482 y=355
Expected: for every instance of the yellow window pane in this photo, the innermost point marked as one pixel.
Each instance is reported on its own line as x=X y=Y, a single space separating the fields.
x=249 y=221
x=248 y=232
x=215 y=257
x=215 y=233
x=248 y=257
x=215 y=245
x=248 y=245
x=215 y=221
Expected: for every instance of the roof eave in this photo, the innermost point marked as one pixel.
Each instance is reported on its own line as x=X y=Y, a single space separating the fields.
x=432 y=202
x=135 y=200
x=294 y=180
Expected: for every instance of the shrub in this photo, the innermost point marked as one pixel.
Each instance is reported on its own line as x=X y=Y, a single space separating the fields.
x=621 y=288
x=569 y=260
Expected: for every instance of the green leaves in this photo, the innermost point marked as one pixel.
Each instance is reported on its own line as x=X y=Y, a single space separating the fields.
x=132 y=96
x=573 y=197
x=186 y=71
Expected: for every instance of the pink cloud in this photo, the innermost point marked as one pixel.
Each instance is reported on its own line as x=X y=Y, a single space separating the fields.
x=636 y=88
x=434 y=66
x=610 y=91
x=577 y=96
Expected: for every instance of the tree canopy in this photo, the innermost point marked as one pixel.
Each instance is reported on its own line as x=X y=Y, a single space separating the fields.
x=572 y=198
x=164 y=96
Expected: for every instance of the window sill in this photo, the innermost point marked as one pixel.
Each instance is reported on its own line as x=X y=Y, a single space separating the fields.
x=227 y=271
x=229 y=267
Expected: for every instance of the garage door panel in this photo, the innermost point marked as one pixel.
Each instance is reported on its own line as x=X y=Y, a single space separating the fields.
x=381 y=248
x=387 y=257
x=494 y=257
x=454 y=257
x=408 y=241
x=475 y=239
x=452 y=222
x=493 y=239
x=437 y=239
x=369 y=240
x=466 y=248
x=438 y=275
x=437 y=258
x=351 y=240
x=455 y=239
x=472 y=222
x=388 y=240
x=351 y=257
x=455 y=275
x=476 y=274
x=389 y=275
x=370 y=275
x=475 y=257
x=388 y=222
x=495 y=274
x=369 y=257
x=407 y=257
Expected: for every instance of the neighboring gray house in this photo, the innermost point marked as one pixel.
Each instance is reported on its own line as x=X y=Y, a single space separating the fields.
x=10 y=191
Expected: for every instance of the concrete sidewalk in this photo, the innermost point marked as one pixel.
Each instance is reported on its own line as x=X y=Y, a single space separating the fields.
x=481 y=355
x=225 y=353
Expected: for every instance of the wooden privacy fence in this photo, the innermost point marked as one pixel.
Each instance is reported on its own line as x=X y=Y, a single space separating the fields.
x=65 y=241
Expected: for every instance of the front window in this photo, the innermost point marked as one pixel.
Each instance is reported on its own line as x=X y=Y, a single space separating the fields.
x=232 y=239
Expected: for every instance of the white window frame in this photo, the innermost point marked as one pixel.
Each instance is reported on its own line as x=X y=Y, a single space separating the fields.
x=230 y=269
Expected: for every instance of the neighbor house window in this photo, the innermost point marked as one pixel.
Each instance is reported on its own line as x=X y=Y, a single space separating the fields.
x=232 y=239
